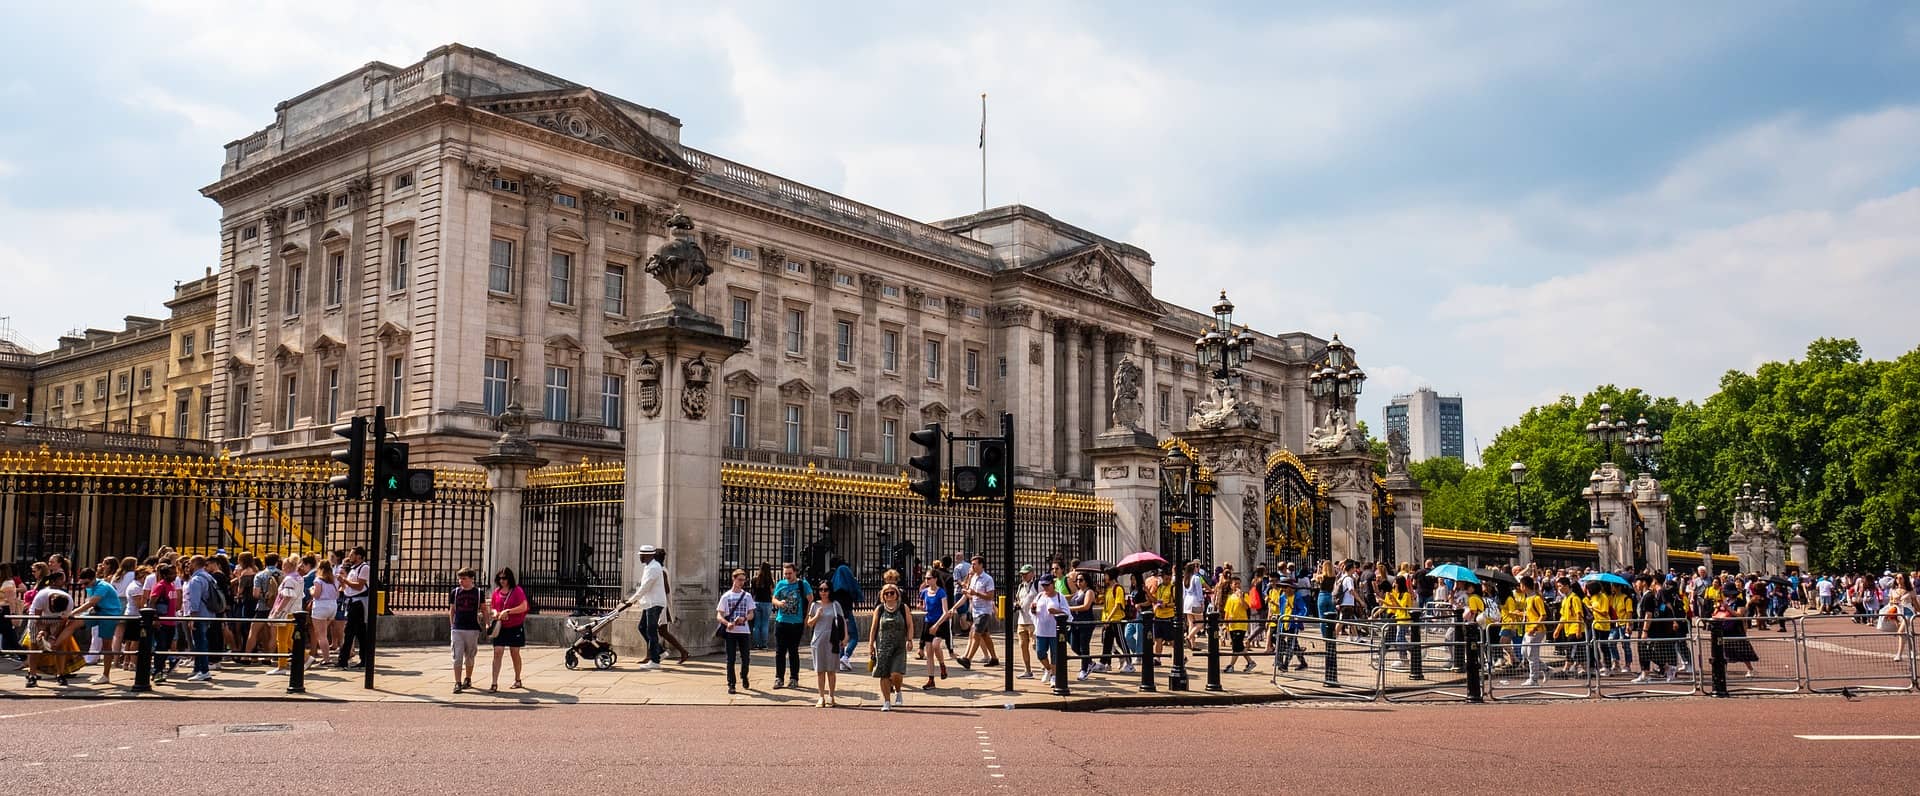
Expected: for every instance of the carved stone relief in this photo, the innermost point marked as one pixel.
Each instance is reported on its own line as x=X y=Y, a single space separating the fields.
x=646 y=375
x=693 y=395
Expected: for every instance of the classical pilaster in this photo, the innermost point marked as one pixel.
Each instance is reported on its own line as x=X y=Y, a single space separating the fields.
x=533 y=293
x=1046 y=400
x=1076 y=457
x=913 y=372
x=1101 y=381
x=820 y=359
x=599 y=206
x=1148 y=353
x=268 y=316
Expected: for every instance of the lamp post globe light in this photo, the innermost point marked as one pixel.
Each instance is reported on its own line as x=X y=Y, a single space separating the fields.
x=1220 y=349
x=1606 y=430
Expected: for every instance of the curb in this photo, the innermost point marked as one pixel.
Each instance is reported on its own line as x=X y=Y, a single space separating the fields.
x=1188 y=699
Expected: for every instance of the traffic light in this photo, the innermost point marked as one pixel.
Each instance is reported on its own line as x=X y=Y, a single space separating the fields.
x=988 y=479
x=390 y=470
x=928 y=463
x=354 y=456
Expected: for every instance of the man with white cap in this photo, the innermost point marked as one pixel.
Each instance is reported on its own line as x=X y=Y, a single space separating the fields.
x=651 y=598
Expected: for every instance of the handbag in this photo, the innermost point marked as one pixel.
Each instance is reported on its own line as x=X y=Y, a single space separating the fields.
x=493 y=630
x=720 y=629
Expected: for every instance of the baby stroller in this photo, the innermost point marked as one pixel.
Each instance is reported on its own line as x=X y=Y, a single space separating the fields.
x=587 y=644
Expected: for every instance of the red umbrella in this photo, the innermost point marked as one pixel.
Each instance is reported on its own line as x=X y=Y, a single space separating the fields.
x=1140 y=562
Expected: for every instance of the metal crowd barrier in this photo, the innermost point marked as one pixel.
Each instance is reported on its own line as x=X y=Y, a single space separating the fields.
x=1536 y=667
x=1730 y=646
x=1838 y=654
x=1343 y=660
x=140 y=630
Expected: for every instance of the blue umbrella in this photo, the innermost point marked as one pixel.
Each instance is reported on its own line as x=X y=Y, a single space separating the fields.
x=1453 y=572
x=1606 y=577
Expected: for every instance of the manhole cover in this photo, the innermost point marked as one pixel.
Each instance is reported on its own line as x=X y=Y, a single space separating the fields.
x=260 y=728
x=254 y=728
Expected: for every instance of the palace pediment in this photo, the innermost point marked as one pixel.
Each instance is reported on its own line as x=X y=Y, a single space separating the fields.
x=1094 y=269
x=587 y=115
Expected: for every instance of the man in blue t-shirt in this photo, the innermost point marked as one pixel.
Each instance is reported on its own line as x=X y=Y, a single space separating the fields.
x=99 y=595
x=789 y=622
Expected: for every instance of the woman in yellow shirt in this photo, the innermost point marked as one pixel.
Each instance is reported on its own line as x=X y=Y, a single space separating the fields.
x=1398 y=602
x=1113 y=619
x=1233 y=616
x=1600 y=608
x=1572 y=630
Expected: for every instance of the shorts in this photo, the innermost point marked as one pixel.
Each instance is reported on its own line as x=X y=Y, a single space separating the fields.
x=945 y=633
x=1044 y=645
x=1163 y=630
x=985 y=623
x=1239 y=638
x=1025 y=632
x=465 y=644
x=325 y=611
x=103 y=628
x=511 y=637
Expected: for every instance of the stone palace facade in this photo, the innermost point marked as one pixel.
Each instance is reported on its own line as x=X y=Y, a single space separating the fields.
x=449 y=236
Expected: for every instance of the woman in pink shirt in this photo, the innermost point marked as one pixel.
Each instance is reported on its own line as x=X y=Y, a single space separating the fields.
x=509 y=608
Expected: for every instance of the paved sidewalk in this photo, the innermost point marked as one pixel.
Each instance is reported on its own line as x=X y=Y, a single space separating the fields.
x=416 y=674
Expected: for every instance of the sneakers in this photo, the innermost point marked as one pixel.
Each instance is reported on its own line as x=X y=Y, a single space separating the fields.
x=1127 y=667
x=200 y=677
x=779 y=683
x=1529 y=683
x=845 y=666
x=99 y=679
x=884 y=707
x=649 y=666
x=1643 y=678
x=1083 y=676
x=964 y=663
x=898 y=699
x=1250 y=666
x=1670 y=674
x=820 y=703
x=276 y=673
x=1605 y=672
x=1026 y=676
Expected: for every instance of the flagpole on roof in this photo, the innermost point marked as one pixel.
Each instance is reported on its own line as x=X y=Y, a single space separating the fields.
x=983 y=152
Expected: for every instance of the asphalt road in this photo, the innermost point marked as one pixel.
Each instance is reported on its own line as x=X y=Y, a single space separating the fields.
x=1613 y=746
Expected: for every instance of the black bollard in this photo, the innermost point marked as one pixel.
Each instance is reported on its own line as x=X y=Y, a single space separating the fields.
x=1327 y=635
x=1417 y=669
x=143 y=656
x=1064 y=631
x=1146 y=653
x=297 y=655
x=1213 y=651
x=1476 y=684
x=1717 y=652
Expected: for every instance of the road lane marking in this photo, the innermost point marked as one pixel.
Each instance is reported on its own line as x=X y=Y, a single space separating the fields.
x=1858 y=737
x=88 y=706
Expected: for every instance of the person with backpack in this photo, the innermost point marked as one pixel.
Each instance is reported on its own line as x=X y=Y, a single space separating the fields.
x=828 y=625
x=1533 y=634
x=204 y=600
x=1657 y=621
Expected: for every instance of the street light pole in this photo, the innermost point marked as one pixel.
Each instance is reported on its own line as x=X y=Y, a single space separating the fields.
x=1606 y=431
x=1517 y=472
x=1176 y=485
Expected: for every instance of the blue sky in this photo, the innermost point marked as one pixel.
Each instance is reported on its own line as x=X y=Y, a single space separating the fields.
x=1505 y=200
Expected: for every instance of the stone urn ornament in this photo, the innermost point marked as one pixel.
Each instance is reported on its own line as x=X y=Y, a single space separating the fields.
x=680 y=265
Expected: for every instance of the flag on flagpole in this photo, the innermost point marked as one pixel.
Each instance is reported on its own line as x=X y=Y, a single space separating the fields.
x=983 y=121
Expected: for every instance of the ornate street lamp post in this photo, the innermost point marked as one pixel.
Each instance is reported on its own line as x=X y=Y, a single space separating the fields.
x=1339 y=378
x=1220 y=349
x=1517 y=472
x=1177 y=495
x=1644 y=448
x=1606 y=430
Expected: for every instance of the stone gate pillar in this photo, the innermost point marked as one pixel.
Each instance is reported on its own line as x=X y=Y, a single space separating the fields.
x=1607 y=494
x=1652 y=504
x=1348 y=480
x=1126 y=466
x=1409 y=516
x=1797 y=547
x=508 y=463
x=673 y=438
x=1238 y=458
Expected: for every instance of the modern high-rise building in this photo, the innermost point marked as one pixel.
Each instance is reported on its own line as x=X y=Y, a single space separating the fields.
x=1432 y=423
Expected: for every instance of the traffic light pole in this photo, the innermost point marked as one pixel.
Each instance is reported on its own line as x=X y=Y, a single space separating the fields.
x=373 y=550
x=1006 y=542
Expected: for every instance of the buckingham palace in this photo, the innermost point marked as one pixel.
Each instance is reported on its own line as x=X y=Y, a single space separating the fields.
x=452 y=235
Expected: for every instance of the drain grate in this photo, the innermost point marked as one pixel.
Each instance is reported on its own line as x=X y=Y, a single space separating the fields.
x=239 y=728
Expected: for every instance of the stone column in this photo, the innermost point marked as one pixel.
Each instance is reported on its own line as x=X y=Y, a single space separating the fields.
x=1706 y=556
x=1348 y=480
x=593 y=302
x=1148 y=352
x=1652 y=505
x=1076 y=457
x=1047 y=458
x=533 y=293
x=1522 y=544
x=1100 y=381
x=674 y=435
x=508 y=463
x=1409 y=517
x=1610 y=501
x=1602 y=538
x=1238 y=458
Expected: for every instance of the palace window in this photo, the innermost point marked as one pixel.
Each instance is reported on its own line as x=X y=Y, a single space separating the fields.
x=889 y=441
x=560 y=278
x=566 y=200
x=500 y=266
x=742 y=253
x=559 y=393
x=510 y=186
x=186 y=344
x=290 y=400
x=742 y=318
x=843 y=342
x=737 y=422
x=933 y=359
x=843 y=280
x=616 y=284
x=843 y=434
x=890 y=351
x=243 y=304
x=295 y=289
x=610 y=404
x=249 y=232
x=333 y=394
x=336 y=278
x=493 y=386
x=404 y=180
x=401 y=267
x=396 y=385
x=792 y=422
x=973 y=369
x=796 y=332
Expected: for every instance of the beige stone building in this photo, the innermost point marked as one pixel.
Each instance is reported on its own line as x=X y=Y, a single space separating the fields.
x=427 y=237
x=131 y=381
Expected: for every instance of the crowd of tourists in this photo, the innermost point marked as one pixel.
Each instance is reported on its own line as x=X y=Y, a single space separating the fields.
x=57 y=618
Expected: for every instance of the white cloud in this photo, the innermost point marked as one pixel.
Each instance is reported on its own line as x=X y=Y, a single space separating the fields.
x=78 y=277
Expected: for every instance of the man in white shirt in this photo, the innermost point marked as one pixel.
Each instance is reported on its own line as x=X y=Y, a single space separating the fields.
x=1023 y=615
x=651 y=598
x=354 y=583
x=1045 y=606
x=979 y=591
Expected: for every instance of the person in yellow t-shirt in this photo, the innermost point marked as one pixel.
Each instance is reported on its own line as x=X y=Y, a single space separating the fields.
x=1113 y=625
x=1510 y=626
x=1622 y=611
x=1534 y=633
x=1572 y=630
x=1233 y=616
x=1600 y=608
x=1160 y=588
x=1398 y=603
